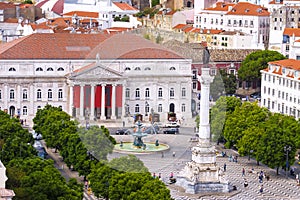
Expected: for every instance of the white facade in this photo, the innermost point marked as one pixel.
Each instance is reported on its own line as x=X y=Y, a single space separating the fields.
x=236 y=17
x=280 y=87
x=3 y=177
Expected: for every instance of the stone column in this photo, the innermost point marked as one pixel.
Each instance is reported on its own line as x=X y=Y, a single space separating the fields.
x=123 y=100
x=81 y=107
x=204 y=126
x=6 y=97
x=92 y=115
x=113 y=101
x=19 y=92
x=32 y=99
x=102 y=117
x=71 y=99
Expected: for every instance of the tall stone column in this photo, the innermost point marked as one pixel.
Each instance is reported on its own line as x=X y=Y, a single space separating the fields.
x=81 y=105
x=19 y=92
x=92 y=115
x=71 y=99
x=6 y=97
x=113 y=101
x=102 y=117
x=32 y=99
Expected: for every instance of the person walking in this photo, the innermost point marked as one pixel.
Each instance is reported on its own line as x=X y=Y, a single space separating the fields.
x=224 y=167
x=245 y=183
x=261 y=189
x=162 y=154
x=243 y=172
x=174 y=154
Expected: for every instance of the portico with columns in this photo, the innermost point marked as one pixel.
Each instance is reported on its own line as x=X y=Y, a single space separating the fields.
x=96 y=93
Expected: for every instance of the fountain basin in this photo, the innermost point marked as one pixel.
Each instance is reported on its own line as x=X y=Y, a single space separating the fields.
x=128 y=147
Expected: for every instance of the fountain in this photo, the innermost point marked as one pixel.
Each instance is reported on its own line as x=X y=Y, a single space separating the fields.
x=138 y=145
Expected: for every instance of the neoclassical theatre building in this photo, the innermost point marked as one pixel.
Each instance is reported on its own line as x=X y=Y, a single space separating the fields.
x=95 y=77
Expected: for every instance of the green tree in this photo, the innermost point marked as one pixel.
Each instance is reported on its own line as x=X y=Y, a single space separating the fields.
x=256 y=61
x=217 y=86
x=129 y=163
x=230 y=82
x=219 y=112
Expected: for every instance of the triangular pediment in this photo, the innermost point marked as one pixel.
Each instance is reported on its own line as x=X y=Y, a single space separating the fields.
x=95 y=72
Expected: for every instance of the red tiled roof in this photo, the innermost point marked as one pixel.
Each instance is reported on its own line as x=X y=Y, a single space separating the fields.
x=290 y=75
x=179 y=26
x=58 y=7
x=6 y=5
x=83 y=46
x=288 y=63
x=124 y=6
x=245 y=8
x=11 y=20
x=41 y=3
x=273 y=2
x=221 y=6
x=279 y=71
x=291 y=31
x=82 y=14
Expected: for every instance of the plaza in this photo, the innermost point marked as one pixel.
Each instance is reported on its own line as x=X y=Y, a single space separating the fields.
x=278 y=187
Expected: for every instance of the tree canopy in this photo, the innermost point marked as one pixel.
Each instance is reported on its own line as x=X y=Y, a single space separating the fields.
x=256 y=61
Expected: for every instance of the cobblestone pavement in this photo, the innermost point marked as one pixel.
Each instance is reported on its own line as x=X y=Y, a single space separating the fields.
x=278 y=187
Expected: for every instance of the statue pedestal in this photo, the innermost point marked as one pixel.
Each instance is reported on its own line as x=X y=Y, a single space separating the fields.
x=202 y=174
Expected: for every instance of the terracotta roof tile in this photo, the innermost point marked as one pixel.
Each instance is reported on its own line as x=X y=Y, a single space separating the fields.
x=273 y=2
x=220 y=6
x=245 y=8
x=288 y=63
x=82 y=14
x=58 y=7
x=291 y=31
x=6 y=5
x=41 y=3
x=290 y=75
x=11 y=20
x=124 y=6
x=179 y=26
x=275 y=71
x=84 y=46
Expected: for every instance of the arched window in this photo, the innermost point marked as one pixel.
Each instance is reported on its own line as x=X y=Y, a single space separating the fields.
x=183 y=107
x=39 y=94
x=172 y=68
x=60 y=94
x=183 y=92
x=147 y=93
x=25 y=96
x=160 y=93
x=172 y=93
x=127 y=69
x=24 y=110
x=159 y=108
x=39 y=69
x=12 y=94
x=137 y=69
x=127 y=93
x=50 y=69
x=39 y=107
x=12 y=69
x=49 y=94
x=60 y=69
x=147 y=68
x=137 y=108
x=60 y=107
x=137 y=93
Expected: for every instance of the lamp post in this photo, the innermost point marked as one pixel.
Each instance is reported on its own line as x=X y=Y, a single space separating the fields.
x=287 y=149
x=146 y=108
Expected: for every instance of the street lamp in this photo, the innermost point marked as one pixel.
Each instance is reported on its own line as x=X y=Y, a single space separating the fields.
x=287 y=149
x=146 y=108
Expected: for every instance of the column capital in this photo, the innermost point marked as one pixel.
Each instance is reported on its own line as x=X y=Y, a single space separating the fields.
x=93 y=84
x=82 y=84
x=114 y=84
x=103 y=84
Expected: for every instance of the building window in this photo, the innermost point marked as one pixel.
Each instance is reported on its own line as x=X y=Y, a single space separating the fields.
x=24 y=110
x=282 y=95
x=183 y=92
x=39 y=94
x=137 y=108
x=159 y=108
x=160 y=94
x=25 y=96
x=39 y=107
x=172 y=68
x=60 y=69
x=60 y=94
x=183 y=107
x=137 y=69
x=273 y=92
x=50 y=69
x=279 y=94
x=12 y=94
x=137 y=93
x=12 y=69
x=49 y=94
x=127 y=93
x=0 y=94
x=147 y=93
x=147 y=69
x=39 y=69
x=172 y=93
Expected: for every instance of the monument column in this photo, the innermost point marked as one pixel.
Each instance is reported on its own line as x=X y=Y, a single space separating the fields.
x=92 y=115
x=71 y=99
x=102 y=117
x=81 y=105
x=113 y=102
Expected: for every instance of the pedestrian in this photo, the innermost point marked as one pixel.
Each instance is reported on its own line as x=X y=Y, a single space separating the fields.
x=171 y=175
x=174 y=153
x=224 y=167
x=261 y=189
x=236 y=157
x=243 y=172
x=86 y=184
x=162 y=154
x=159 y=175
x=154 y=175
x=245 y=183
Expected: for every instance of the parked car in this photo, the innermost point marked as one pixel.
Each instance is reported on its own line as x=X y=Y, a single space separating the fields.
x=171 y=131
x=122 y=132
x=172 y=125
x=241 y=97
x=256 y=95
